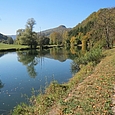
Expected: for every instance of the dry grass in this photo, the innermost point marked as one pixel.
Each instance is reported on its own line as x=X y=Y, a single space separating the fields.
x=93 y=96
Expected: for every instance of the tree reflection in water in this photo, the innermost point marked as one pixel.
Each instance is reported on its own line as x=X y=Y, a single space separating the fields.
x=1 y=85
x=28 y=58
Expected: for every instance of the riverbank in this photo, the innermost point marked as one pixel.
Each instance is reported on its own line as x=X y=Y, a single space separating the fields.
x=89 y=92
x=13 y=47
x=94 y=94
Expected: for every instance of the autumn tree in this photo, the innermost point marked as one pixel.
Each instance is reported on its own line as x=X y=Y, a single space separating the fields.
x=106 y=22
x=65 y=37
x=55 y=38
x=73 y=41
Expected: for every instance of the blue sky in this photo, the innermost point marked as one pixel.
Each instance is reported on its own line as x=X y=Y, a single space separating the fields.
x=47 y=13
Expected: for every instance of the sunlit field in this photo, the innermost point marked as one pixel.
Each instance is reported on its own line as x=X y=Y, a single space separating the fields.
x=11 y=47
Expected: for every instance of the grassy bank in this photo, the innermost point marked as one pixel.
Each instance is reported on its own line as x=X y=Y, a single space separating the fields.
x=93 y=95
x=89 y=92
x=9 y=47
x=14 y=47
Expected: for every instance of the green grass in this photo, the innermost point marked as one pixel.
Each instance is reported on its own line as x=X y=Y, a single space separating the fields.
x=5 y=47
x=8 y=47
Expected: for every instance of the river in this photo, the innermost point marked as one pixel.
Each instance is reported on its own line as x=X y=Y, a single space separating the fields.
x=22 y=71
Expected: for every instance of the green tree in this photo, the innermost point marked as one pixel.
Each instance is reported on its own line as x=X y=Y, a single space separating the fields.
x=30 y=25
x=10 y=40
x=19 y=33
x=31 y=40
x=42 y=40
x=27 y=36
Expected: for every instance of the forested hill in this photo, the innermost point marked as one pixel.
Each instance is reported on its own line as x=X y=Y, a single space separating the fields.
x=3 y=37
x=97 y=29
x=6 y=39
x=60 y=29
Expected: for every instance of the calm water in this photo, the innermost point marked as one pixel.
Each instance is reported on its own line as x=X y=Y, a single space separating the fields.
x=22 y=71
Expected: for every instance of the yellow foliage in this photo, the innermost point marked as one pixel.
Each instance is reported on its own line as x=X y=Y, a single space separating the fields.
x=84 y=45
x=73 y=39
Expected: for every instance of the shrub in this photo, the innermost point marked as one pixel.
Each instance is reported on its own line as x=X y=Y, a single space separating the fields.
x=94 y=55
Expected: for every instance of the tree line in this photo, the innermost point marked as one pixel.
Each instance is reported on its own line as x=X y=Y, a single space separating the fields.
x=28 y=37
x=97 y=30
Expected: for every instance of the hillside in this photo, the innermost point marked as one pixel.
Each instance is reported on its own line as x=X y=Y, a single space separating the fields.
x=97 y=29
x=3 y=37
x=94 y=94
x=59 y=29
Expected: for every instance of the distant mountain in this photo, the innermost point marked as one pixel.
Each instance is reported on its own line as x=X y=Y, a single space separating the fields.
x=58 y=29
x=12 y=36
x=3 y=37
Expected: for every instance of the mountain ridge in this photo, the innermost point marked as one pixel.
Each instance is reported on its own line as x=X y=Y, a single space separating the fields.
x=3 y=37
x=58 y=29
x=47 y=32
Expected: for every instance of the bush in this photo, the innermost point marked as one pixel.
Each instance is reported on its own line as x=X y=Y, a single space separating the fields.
x=94 y=55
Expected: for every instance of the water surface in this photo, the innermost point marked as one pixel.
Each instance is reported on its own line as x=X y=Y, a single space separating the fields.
x=21 y=71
